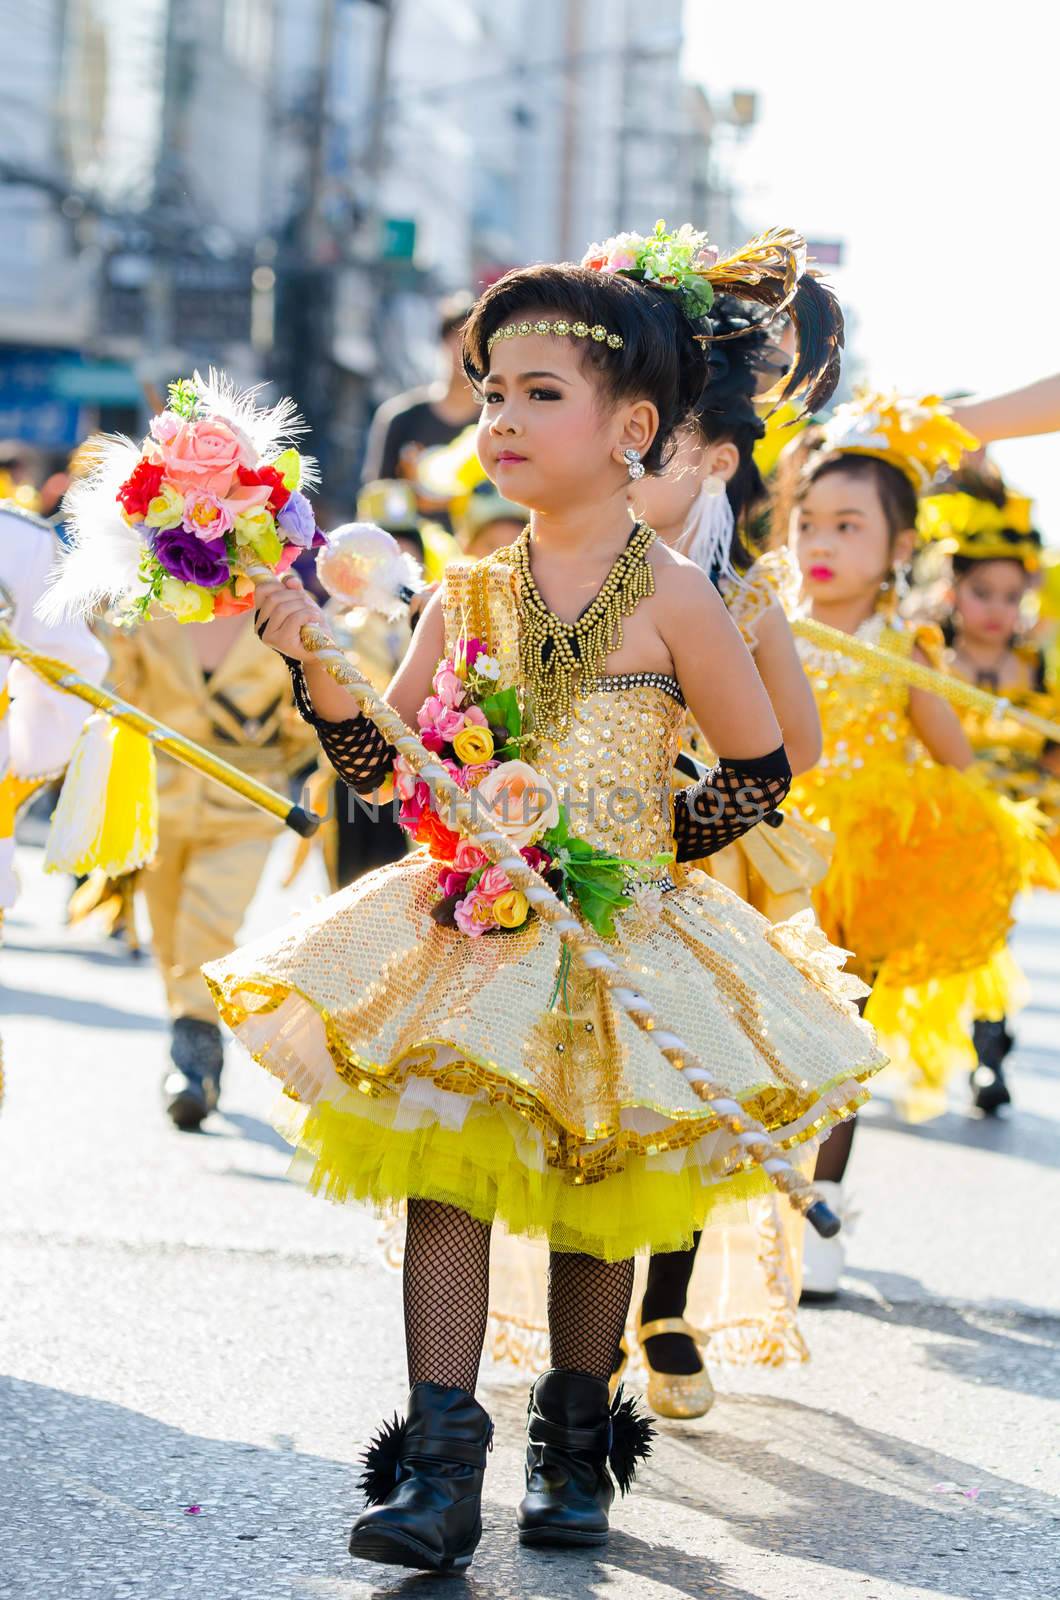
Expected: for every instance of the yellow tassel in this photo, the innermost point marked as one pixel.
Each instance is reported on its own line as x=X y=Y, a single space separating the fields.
x=107 y=815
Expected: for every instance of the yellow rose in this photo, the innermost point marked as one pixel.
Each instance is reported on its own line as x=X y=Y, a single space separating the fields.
x=473 y=745
x=253 y=524
x=512 y=909
x=186 y=601
x=166 y=510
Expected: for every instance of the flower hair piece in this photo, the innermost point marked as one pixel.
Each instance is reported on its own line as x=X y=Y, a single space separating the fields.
x=772 y=270
x=919 y=437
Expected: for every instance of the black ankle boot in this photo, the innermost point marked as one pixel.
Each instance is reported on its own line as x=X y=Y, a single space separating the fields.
x=993 y=1042
x=192 y=1085
x=423 y=1482
x=573 y=1435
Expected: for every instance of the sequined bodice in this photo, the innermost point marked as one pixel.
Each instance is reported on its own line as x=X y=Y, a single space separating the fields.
x=864 y=717
x=612 y=764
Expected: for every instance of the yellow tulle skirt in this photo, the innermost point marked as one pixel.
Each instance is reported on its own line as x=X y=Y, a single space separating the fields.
x=490 y=1074
x=926 y=867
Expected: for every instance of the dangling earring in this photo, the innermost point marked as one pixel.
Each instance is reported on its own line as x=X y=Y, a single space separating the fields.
x=634 y=463
x=713 y=486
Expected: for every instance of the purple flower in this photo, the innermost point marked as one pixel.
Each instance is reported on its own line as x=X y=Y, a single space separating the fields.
x=191 y=559
x=297 y=521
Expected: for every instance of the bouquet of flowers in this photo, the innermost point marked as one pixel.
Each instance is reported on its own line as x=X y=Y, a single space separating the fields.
x=476 y=731
x=215 y=489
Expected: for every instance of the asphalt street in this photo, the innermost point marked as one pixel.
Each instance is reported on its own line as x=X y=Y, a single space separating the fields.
x=195 y=1351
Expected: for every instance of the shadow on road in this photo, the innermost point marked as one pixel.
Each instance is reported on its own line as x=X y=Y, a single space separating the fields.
x=75 y=1010
x=106 y=1491
x=1021 y=1134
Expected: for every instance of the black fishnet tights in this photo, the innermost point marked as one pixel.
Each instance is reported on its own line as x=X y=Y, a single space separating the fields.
x=447 y=1285
x=588 y=1302
x=728 y=802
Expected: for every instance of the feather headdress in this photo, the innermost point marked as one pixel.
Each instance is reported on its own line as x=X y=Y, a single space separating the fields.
x=919 y=437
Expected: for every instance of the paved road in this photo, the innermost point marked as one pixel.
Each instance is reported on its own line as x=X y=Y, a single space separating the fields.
x=183 y=1326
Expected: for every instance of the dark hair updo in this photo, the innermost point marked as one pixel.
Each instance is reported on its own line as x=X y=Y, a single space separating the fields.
x=894 y=490
x=659 y=360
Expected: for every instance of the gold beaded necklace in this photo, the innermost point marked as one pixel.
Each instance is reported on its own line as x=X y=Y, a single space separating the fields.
x=552 y=652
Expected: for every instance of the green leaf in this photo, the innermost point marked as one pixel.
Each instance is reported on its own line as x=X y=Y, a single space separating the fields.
x=503 y=707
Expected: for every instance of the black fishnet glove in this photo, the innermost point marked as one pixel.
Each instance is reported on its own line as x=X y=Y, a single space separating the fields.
x=732 y=798
x=356 y=749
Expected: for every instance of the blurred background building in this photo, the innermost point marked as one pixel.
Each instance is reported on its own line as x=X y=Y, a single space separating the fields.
x=285 y=187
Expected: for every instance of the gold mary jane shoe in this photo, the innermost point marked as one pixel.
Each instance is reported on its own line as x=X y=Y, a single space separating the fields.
x=674 y=1394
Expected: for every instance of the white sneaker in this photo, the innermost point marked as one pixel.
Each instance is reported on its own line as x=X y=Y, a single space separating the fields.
x=823 y=1259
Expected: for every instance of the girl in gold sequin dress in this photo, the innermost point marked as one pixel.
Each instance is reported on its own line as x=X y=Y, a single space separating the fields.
x=478 y=1075
x=926 y=862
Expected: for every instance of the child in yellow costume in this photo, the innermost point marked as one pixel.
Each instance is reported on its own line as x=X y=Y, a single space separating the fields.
x=738 y=1284
x=477 y=1074
x=926 y=862
x=219 y=686
x=994 y=558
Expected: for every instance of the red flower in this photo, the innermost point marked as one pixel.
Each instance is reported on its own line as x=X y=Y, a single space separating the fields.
x=279 y=494
x=140 y=488
x=441 y=841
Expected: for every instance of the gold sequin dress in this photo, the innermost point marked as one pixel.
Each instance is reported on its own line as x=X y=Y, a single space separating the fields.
x=927 y=862
x=485 y=1074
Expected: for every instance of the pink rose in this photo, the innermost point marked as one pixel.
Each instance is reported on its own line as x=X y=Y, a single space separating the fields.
x=474 y=915
x=471 y=777
x=476 y=715
x=432 y=740
x=204 y=455
x=518 y=802
x=205 y=515
x=452 y=882
x=449 y=689
x=288 y=556
x=493 y=883
x=468 y=857
x=620 y=261
x=472 y=650
x=165 y=427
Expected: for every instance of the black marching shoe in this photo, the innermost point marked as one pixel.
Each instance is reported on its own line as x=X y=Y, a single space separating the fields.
x=423 y=1482
x=192 y=1085
x=573 y=1437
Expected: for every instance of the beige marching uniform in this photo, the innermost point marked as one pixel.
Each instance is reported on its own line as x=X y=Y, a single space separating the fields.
x=212 y=844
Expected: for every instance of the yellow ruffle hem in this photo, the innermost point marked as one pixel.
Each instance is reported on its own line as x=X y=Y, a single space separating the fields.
x=489 y=1074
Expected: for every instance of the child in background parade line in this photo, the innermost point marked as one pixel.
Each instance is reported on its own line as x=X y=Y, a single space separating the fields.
x=890 y=785
x=993 y=560
x=474 y=1074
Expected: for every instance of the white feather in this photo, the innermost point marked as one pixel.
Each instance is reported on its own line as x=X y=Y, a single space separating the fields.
x=101 y=563
x=269 y=429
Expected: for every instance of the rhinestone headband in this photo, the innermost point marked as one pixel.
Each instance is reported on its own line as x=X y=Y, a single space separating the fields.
x=575 y=330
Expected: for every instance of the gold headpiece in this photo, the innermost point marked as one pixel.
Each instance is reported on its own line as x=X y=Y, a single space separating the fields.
x=962 y=524
x=919 y=437
x=574 y=330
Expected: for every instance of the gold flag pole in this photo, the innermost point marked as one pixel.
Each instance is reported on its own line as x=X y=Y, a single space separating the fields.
x=920 y=677
x=166 y=740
